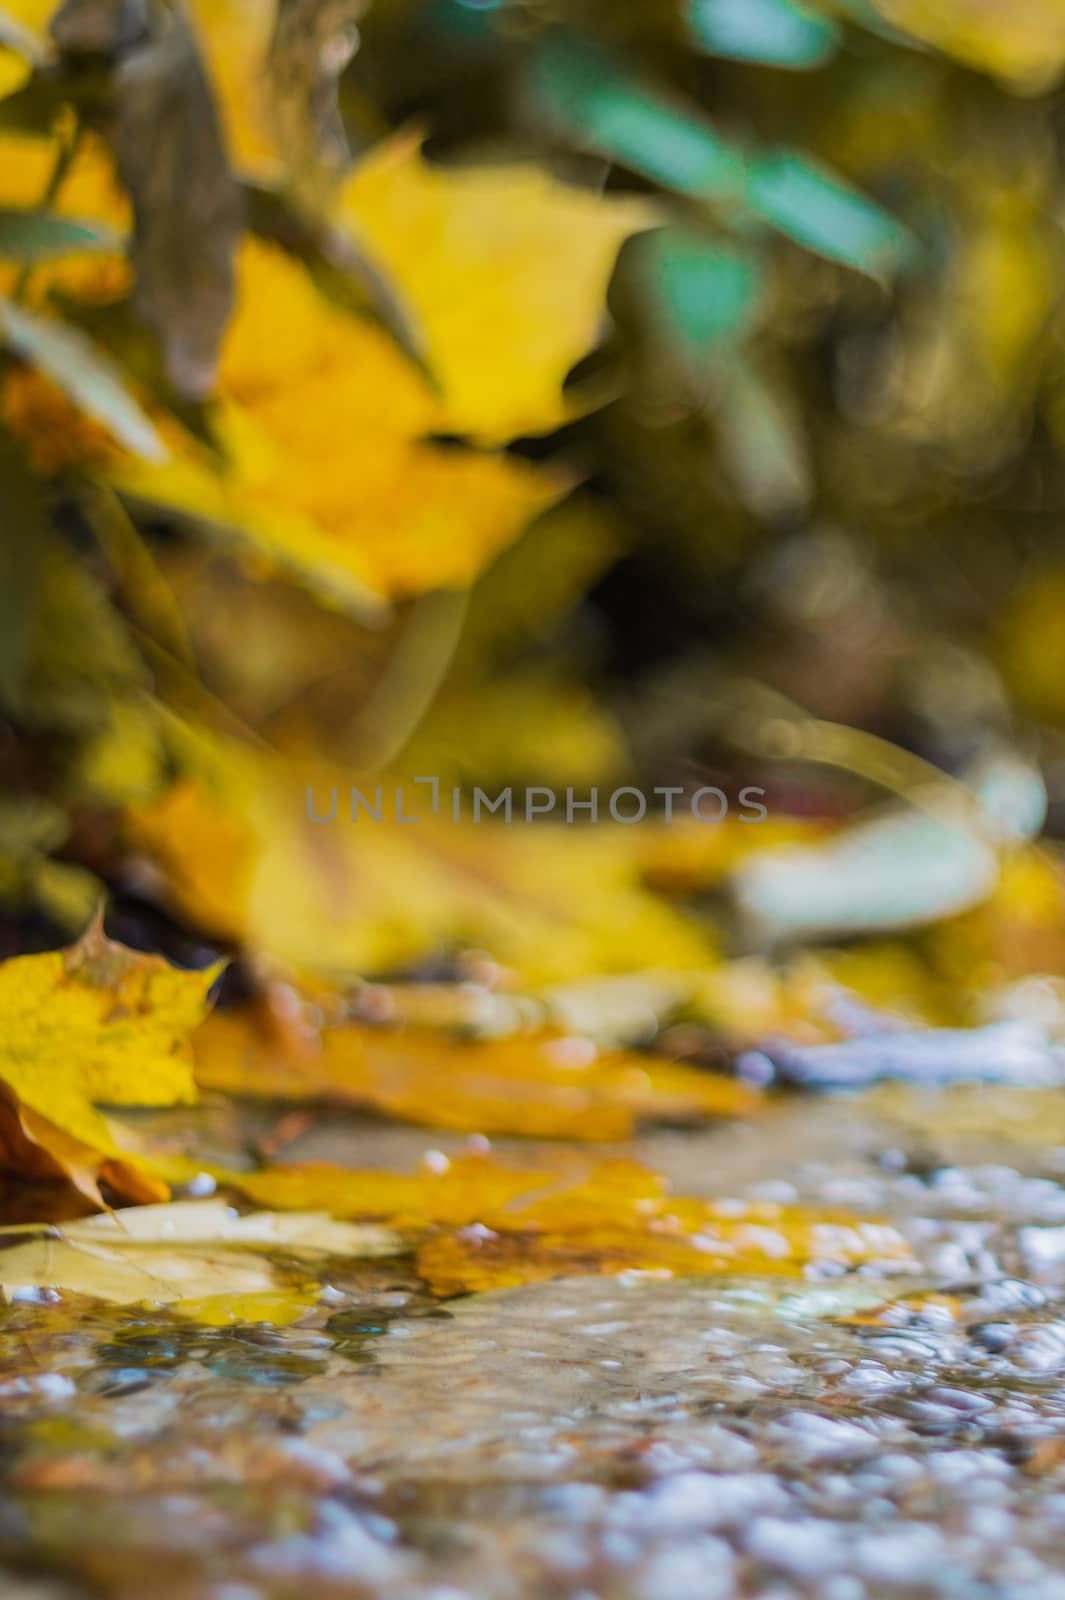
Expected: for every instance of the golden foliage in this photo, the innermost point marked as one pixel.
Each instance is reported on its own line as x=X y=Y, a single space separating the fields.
x=93 y=1024
x=1024 y=41
x=552 y=902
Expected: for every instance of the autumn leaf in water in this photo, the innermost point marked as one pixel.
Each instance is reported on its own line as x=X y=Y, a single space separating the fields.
x=487 y=1225
x=198 y=1256
x=454 y=1194
x=538 y=1086
x=603 y=1226
x=95 y=1024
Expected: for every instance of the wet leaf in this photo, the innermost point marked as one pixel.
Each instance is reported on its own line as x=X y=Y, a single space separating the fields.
x=197 y=1255
x=466 y=1190
x=93 y=1024
x=620 y=1220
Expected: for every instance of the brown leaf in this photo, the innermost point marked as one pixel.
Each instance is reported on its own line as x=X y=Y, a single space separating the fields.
x=99 y=27
x=187 y=212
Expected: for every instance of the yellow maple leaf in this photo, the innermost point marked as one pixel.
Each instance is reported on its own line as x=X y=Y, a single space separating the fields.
x=93 y=1024
x=506 y=269
x=329 y=472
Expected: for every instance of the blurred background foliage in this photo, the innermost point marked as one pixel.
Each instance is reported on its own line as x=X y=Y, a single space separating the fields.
x=538 y=392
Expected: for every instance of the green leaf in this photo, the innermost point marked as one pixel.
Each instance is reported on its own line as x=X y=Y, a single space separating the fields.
x=703 y=292
x=84 y=373
x=775 y=32
x=586 y=95
x=39 y=235
x=598 y=105
x=818 y=210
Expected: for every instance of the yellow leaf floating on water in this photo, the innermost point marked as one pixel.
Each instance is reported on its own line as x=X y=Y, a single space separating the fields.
x=478 y=1259
x=199 y=1256
x=670 y=1238
x=506 y=269
x=94 y=1024
x=538 y=1086
x=510 y=1225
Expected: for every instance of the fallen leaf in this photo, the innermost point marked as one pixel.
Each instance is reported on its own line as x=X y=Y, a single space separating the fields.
x=538 y=1086
x=476 y=1259
x=329 y=472
x=622 y=1219
x=93 y=1024
x=186 y=1254
x=467 y=1190
x=508 y=1225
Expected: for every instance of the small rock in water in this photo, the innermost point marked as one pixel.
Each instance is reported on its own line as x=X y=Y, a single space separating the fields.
x=1003 y=1052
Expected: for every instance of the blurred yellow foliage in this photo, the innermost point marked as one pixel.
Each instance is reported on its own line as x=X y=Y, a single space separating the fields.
x=238 y=849
x=1023 y=41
